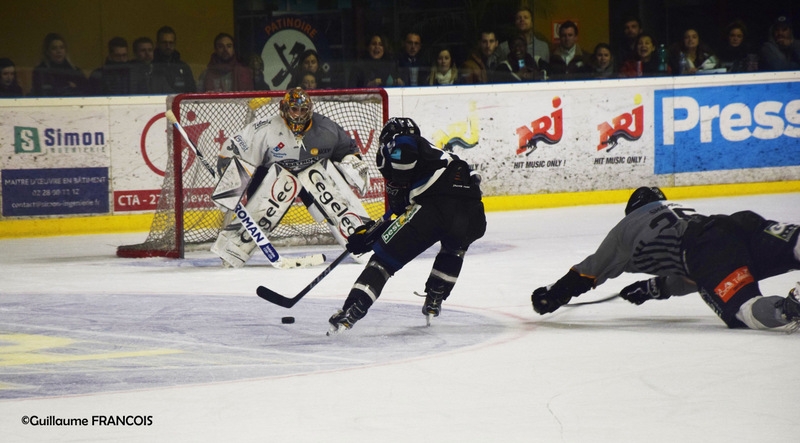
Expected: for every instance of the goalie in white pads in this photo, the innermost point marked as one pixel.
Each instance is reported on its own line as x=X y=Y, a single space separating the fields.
x=299 y=153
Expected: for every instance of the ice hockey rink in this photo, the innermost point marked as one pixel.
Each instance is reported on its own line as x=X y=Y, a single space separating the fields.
x=164 y=350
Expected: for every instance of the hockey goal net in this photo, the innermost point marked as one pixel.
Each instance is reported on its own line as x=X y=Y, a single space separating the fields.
x=186 y=217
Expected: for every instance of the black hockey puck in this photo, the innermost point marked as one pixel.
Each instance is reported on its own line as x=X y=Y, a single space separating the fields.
x=287 y=320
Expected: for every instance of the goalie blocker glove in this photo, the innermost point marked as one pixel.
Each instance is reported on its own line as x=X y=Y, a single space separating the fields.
x=366 y=235
x=641 y=291
x=549 y=298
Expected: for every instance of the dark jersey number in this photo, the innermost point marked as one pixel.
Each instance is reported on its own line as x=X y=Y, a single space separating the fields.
x=669 y=218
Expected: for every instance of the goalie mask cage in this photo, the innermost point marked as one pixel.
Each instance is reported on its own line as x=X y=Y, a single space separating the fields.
x=210 y=119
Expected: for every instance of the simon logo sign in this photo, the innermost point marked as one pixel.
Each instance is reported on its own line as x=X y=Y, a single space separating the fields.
x=28 y=140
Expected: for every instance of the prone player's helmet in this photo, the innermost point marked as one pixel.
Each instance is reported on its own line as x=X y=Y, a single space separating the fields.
x=296 y=109
x=642 y=196
x=397 y=126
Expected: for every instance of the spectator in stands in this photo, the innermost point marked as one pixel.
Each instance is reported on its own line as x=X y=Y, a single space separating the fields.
x=482 y=61
x=412 y=68
x=781 y=52
x=568 y=59
x=631 y=29
x=56 y=76
x=166 y=58
x=519 y=66
x=309 y=81
x=603 y=65
x=379 y=69
x=114 y=77
x=147 y=78
x=256 y=64
x=224 y=72
x=736 y=53
x=9 y=87
x=536 y=47
x=645 y=63
x=309 y=63
x=691 y=55
x=444 y=71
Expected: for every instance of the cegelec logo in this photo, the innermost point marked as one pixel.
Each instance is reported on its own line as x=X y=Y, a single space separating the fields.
x=728 y=127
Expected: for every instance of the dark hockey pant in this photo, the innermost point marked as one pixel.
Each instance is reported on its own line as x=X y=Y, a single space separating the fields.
x=455 y=223
x=728 y=255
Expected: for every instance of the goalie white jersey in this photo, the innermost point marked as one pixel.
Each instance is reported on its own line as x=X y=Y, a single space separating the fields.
x=269 y=140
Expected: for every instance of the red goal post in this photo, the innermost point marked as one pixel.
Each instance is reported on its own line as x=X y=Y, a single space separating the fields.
x=210 y=119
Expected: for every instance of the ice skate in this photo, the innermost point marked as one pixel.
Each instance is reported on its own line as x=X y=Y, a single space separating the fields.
x=791 y=308
x=432 y=307
x=339 y=322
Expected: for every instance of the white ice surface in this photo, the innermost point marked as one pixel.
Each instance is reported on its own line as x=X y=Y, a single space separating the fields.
x=190 y=344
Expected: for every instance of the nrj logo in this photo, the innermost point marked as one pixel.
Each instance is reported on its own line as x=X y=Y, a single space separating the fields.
x=629 y=125
x=546 y=129
x=463 y=134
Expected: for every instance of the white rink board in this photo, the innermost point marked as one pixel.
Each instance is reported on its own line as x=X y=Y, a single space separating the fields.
x=492 y=117
x=489 y=126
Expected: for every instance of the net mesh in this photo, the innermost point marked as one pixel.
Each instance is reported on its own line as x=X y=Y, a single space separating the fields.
x=210 y=119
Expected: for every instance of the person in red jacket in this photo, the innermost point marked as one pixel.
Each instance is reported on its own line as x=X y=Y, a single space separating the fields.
x=225 y=72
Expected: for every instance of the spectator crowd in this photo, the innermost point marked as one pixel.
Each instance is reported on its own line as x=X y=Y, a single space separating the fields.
x=156 y=67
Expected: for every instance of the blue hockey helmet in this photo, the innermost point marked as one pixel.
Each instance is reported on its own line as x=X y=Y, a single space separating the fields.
x=642 y=196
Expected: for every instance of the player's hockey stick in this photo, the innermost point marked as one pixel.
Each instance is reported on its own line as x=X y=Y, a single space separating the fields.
x=593 y=302
x=174 y=121
x=247 y=220
x=286 y=302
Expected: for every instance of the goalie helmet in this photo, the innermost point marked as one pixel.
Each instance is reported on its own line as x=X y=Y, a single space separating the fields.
x=296 y=110
x=397 y=126
x=643 y=196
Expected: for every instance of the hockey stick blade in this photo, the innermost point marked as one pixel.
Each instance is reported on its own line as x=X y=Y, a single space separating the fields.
x=593 y=302
x=286 y=302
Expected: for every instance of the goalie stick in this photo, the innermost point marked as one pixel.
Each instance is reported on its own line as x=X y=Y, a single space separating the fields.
x=174 y=121
x=286 y=302
x=261 y=239
x=250 y=224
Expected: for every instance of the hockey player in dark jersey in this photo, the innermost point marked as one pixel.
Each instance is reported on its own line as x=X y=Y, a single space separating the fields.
x=723 y=257
x=437 y=198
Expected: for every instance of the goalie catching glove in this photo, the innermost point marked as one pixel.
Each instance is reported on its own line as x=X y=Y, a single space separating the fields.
x=366 y=235
x=355 y=171
x=549 y=298
x=641 y=291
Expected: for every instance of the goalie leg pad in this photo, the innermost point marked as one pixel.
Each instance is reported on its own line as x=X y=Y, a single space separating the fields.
x=333 y=199
x=268 y=204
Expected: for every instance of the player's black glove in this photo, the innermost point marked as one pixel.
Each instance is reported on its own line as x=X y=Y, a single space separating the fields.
x=549 y=298
x=366 y=235
x=641 y=291
x=398 y=198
